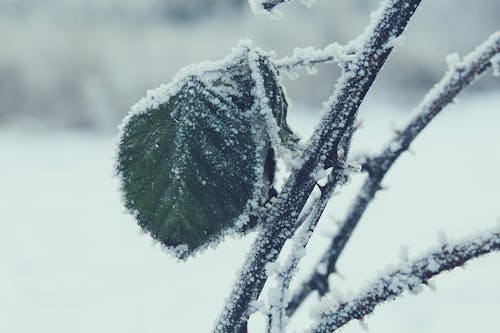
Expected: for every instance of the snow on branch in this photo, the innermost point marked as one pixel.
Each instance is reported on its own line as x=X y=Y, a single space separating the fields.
x=309 y=57
x=408 y=277
x=388 y=22
x=461 y=73
x=307 y=222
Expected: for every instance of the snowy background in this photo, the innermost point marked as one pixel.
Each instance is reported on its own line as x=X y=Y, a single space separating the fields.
x=72 y=261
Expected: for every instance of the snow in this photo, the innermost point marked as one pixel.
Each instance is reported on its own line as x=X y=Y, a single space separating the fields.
x=307 y=57
x=73 y=261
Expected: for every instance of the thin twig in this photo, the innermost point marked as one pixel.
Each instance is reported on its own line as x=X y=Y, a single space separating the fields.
x=461 y=73
x=408 y=277
x=277 y=317
x=321 y=153
x=309 y=57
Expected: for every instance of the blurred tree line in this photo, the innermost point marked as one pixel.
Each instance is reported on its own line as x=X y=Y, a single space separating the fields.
x=83 y=63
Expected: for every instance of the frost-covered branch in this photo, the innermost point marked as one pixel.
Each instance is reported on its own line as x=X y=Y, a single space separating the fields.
x=309 y=57
x=461 y=73
x=388 y=22
x=408 y=277
x=279 y=296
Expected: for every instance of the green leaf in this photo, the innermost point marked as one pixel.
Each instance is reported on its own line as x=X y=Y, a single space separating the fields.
x=196 y=157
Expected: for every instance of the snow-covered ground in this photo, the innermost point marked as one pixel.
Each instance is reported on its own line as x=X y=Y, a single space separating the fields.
x=72 y=261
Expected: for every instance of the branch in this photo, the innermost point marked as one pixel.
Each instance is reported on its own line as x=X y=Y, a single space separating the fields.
x=408 y=277
x=460 y=74
x=388 y=23
x=308 y=57
x=279 y=295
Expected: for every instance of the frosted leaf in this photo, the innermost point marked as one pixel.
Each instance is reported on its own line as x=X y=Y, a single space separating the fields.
x=196 y=157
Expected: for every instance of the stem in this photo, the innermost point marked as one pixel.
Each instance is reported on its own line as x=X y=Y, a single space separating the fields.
x=387 y=23
x=460 y=75
x=308 y=57
x=277 y=317
x=408 y=277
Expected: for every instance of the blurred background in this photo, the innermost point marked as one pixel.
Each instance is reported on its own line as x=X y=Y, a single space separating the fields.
x=71 y=259
x=83 y=63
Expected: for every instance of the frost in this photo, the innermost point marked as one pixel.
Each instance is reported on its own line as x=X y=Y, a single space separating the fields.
x=396 y=41
x=433 y=265
x=409 y=277
x=209 y=96
x=271 y=268
x=156 y=97
x=179 y=251
x=454 y=61
x=308 y=57
x=395 y=146
x=257 y=306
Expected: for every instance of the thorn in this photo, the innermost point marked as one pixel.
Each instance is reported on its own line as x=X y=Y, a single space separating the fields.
x=328 y=233
x=416 y=290
x=363 y=325
x=359 y=124
x=340 y=154
x=395 y=128
x=362 y=158
x=382 y=187
x=334 y=219
x=404 y=252
x=411 y=151
x=321 y=188
x=340 y=275
x=432 y=285
x=354 y=166
x=442 y=239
